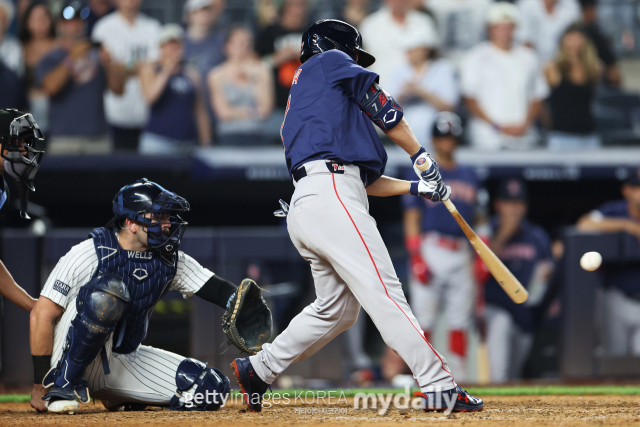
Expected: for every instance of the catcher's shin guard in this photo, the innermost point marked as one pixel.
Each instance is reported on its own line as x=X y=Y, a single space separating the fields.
x=100 y=304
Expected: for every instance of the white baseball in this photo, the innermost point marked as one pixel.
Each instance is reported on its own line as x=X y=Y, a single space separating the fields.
x=591 y=261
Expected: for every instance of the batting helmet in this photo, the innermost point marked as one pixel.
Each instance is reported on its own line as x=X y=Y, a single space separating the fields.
x=446 y=124
x=147 y=202
x=328 y=34
x=19 y=134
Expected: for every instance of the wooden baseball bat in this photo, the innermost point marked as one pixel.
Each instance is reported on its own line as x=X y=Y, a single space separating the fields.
x=498 y=270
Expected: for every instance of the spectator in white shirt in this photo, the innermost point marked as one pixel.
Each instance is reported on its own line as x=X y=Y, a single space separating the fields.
x=130 y=38
x=503 y=86
x=10 y=49
x=425 y=85
x=462 y=24
x=542 y=23
x=385 y=31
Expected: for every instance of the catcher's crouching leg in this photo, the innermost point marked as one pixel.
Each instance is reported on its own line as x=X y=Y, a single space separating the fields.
x=100 y=304
x=199 y=388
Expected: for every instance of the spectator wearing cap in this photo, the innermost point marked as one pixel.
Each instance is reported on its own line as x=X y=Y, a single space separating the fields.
x=425 y=84
x=503 y=86
x=38 y=38
x=75 y=76
x=205 y=34
x=131 y=39
x=242 y=92
x=525 y=249
x=621 y=281
x=10 y=49
x=542 y=23
x=384 y=33
x=462 y=24
x=573 y=76
x=602 y=43
x=178 y=117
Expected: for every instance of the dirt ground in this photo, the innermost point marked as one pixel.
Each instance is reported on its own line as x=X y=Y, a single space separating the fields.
x=530 y=410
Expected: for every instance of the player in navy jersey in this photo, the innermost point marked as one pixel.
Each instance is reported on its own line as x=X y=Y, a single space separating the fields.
x=19 y=136
x=440 y=256
x=525 y=249
x=622 y=283
x=336 y=159
x=93 y=313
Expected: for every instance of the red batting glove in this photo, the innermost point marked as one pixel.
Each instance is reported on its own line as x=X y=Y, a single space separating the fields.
x=419 y=267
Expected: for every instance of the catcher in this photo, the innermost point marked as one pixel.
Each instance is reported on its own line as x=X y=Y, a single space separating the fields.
x=100 y=297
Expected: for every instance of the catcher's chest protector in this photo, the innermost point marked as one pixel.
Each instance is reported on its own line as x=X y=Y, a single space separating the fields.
x=147 y=278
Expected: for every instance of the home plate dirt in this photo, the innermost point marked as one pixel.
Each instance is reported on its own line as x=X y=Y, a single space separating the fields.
x=511 y=411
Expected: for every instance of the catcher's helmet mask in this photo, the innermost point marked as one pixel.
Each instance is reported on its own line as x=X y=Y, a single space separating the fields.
x=152 y=206
x=19 y=134
x=328 y=34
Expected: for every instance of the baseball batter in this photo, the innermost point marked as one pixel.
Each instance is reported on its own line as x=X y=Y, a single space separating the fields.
x=100 y=297
x=19 y=134
x=440 y=255
x=336 y=159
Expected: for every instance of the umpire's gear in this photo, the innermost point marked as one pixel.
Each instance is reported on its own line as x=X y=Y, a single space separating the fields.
x=328 y=34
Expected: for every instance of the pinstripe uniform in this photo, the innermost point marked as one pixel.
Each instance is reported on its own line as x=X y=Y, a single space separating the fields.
x=145 y=374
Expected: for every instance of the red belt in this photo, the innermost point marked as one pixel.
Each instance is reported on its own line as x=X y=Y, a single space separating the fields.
x=448 y=243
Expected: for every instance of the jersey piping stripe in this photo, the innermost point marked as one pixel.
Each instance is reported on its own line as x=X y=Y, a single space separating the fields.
x=333 y=177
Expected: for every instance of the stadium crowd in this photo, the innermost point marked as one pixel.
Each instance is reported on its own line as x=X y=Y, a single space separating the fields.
x=100 y=75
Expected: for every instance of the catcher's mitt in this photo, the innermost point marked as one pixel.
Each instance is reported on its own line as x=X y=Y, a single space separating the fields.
x=247 y=320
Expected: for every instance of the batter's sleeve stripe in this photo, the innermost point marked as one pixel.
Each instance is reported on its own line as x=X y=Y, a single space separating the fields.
x=385 y=286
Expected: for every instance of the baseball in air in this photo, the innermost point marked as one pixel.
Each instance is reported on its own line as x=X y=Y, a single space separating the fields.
x=591 y=261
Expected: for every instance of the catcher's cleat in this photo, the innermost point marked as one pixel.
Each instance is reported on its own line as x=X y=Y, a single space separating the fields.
x=61 y=401
x=464 y=402
x=252 y=387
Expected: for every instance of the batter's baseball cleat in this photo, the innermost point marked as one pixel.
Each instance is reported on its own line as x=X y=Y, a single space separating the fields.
x=444 y=400
x=252 y=387
x=61 y=401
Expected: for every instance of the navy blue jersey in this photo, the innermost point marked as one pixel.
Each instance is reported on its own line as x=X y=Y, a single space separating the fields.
x=526 y=248
x=625 y=277
x=615 y=209
x=435 y=216
x=323 y=119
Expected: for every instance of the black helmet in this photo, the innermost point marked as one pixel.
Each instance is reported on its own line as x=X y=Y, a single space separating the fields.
x=446 y=124
x=328 y=34
x=19 y=134
x=143 y=197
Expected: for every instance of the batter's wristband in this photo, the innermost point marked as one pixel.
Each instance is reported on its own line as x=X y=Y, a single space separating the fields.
x=415 y=156
x=413 y=190
x=41 y=365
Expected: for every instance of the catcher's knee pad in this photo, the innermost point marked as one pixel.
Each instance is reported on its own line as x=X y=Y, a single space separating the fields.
x=100 y=304
x=199 y=388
